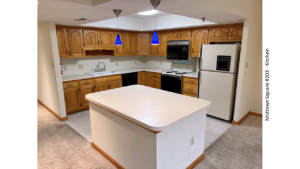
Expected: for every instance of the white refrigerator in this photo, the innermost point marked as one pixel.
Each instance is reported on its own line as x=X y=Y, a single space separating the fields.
x=218 y=68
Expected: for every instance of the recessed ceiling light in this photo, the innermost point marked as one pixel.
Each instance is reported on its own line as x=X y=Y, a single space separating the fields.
x=148 y=12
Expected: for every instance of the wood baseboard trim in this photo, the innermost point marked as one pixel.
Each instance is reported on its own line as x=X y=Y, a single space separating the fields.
x=109 y=158
x=60 y=118
x=242 y=119
x=76 y=111
x=196 y=161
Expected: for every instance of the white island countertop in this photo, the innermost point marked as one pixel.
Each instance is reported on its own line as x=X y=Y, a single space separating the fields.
x=151 y=108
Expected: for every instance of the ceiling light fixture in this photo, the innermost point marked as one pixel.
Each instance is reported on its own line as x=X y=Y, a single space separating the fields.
x=118 y=39
x=155 y=40
x=148 y=12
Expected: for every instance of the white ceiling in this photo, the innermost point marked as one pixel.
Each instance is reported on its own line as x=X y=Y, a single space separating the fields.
x=65 y=11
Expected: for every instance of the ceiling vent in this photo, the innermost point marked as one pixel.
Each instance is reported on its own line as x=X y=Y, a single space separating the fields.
x=80 y=19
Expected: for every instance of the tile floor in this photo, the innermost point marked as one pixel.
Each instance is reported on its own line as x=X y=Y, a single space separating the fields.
x=80 y=122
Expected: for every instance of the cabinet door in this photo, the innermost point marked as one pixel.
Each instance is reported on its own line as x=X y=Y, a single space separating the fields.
x=143 y=44
x=163 y=43
x=235 y=33
x=185 y=34
x=84 y=90
x=146 y=79
x=72 y=99
x=140 y=78
x=131 y=43
x=91 y=38
x=101 y=87
x=174 y=35
x=155 y=83
x=153 y=48
x=200 y=36
x=62 y=42
x=107 y=39
x=121 y=49
x=115 y=84
x=219 y=33
x=76 y=43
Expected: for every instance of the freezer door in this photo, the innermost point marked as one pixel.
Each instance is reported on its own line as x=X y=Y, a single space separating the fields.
x=212 y=51
x=217 y=88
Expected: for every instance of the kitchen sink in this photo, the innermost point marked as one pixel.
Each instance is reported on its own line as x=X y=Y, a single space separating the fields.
x=102 y=72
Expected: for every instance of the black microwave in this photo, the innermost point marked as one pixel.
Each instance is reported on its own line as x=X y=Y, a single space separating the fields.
x=178 y=50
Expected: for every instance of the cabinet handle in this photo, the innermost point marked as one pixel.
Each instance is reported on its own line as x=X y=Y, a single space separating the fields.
x=191 y=81
x=101 y=42
x=193 y=50
x=190 y=89
x=67 y=51
x=93 y=89
x=82 y=51
x=98 y=42
x=70 y=85
x=230 y=34
x=226 y=34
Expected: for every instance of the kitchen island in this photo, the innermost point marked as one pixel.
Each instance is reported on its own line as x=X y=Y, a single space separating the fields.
x=138 y=127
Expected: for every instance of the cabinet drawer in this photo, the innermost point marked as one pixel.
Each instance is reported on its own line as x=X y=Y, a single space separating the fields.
x=192 y=95
x=190 y=89
x=107 y=78
x=155 y=75
x=86 y=82
x=190 y=80
x=70 y=84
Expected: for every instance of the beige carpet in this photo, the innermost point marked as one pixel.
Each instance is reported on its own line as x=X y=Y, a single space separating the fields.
x=59 y=146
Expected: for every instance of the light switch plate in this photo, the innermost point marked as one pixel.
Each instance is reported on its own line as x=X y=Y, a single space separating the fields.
x=116 y=63
x=80 y=66
x=192 y=140
x=65 y=67
x=135 y=61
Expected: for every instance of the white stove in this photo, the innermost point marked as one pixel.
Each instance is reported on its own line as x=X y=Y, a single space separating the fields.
x=174 y=73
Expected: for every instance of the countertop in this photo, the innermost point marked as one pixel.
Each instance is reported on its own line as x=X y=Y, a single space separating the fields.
x=66 y=78
x=149 y=107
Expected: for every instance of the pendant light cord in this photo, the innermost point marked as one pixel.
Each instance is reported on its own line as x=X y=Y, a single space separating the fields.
x=118 y=24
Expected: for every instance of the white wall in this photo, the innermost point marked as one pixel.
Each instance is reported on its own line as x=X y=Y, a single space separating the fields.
x=47 y=88
x=160 y=62
x=89 y=63
x=250 y=52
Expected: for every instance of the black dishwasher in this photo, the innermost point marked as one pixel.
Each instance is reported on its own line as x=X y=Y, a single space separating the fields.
x=129 y=79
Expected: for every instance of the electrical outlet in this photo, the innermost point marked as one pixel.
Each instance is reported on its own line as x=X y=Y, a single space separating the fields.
x=192 y=140
x=52 y=64
x=80 y=66
x=116 y=63
x=65 y=67
x=135 y=62
x=160 y=62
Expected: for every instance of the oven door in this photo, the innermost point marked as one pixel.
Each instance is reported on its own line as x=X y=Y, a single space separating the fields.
x=171 y=83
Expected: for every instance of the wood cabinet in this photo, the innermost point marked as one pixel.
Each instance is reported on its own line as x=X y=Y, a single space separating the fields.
x=76 y=43
x=115 y=84
x=190 y=86
x=121 y=49
x=62 y=42
x=180 y=34
x=219 y=33
x=143 y=44
x=199 y=37
x=107 y=39
x=91 y=39
x=101 y=87
x=155 y=80
x=109 y=82
x=131 y=42
x=72 y=97
x=163 y=43
x=84 y=90
x=235 y=32
x=144 y=78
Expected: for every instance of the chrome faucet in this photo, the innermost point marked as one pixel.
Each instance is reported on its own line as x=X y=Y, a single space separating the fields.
x=98 y=68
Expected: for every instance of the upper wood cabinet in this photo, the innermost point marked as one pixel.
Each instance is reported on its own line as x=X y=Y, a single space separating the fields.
x=121 y=49
x=91 y=39
x=107 y=39
x=199 y=36
x=62 y=42
x=76 y=43
x=185 y=34
x=153 y=48
x=143 y=44
x=180 y=34
x=174 y=35
x=163 y=43
x=235 y=32
x=219 y=33
x=131 y=42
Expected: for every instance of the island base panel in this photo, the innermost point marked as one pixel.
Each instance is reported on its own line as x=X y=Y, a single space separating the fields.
x=135 y=147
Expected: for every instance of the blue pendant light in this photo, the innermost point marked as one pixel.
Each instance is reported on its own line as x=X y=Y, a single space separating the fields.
x=118 y=40
x=155 y=40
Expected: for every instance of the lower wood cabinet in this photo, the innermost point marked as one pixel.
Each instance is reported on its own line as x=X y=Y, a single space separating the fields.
x=144 y=78
x=75 y=91
x=155 y=80
x=190 y=86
